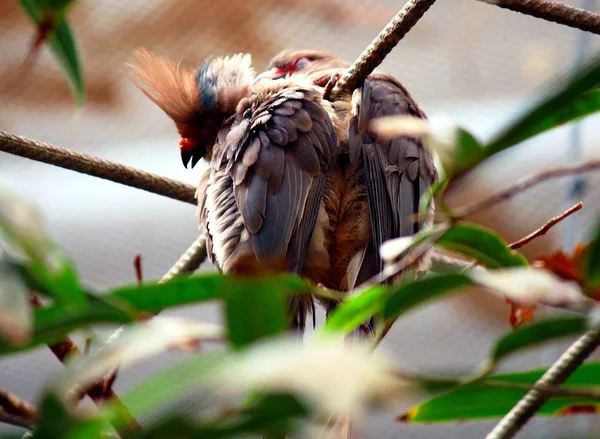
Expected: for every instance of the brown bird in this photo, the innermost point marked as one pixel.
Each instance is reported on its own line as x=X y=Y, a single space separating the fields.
x=383 y=179
x=272 y=148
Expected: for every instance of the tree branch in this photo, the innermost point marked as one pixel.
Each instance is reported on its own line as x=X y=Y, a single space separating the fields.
x=553 y=11
x=554 y=376
x=524 y=184
x=14 y=410
x=382 y=45
x=97 y=167
x=100 y=391
x=542 y=230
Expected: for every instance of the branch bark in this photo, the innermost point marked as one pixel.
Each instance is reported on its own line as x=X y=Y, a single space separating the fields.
x=526 y=183
x=553 y=11
x=544 y=229
x=14 y=410
x=382 y=45
x=102 y=390
x=554 y=376
x=97 y=167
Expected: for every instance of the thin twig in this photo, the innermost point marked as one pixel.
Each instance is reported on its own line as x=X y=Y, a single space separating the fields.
x=554 y=376
x=542 y=230
x=553 y=11
x=524 y=184
x=98 y=167
x=382 y=45
x=15 y=406
x=100 y=391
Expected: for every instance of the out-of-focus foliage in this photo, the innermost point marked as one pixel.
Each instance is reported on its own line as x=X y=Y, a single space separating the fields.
x=52 y=26
x=275 y=385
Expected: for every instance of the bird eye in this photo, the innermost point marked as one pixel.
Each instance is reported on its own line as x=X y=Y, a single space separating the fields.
x=300 y=63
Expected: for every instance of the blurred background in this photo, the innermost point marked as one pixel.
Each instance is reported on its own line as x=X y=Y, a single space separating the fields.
x=479 y=64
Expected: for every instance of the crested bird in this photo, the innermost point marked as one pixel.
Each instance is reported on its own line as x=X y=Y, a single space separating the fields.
x=383 y=179
x=272 y=188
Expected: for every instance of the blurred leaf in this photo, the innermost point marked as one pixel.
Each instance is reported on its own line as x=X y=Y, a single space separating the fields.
x=16 y=320
x=124 y=305
x=210 y=286
x=172 y=382
x=565 y=266
x=138 y=342
x=336 y=378
x=272 y=414
x=481 y=244
x=52 y=25
x=532 y=335
x=355 y=310
x=592 y=262
x=416 y=292
x=480 y=400
x=57 y=422
x=22 y=225
x=436 y=188
x=256 y=308
x=530 y=286
x=469 y=152
x=52 y=322
x=573 y=99
x=392 y=250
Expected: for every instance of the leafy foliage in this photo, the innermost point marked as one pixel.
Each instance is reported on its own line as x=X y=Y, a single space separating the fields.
x=289 y=384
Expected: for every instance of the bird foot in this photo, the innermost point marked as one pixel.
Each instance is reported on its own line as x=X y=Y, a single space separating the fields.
x=330 y=84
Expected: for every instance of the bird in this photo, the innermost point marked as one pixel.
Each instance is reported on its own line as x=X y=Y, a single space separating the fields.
x=384 y=179
x=273 y=182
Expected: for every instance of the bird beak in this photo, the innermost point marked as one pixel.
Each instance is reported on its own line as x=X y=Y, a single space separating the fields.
x=269 y=75
x=194 y=156
x=186 y=157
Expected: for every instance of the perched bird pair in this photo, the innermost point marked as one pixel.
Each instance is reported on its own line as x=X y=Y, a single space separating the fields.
x=293 y=176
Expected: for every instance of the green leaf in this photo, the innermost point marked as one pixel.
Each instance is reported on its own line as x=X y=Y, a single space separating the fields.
x=124 y=305
x=60 y=39
x=592 y=262
x=532 y=335
x=355 y=310
x=482 y=400
x=481 y=244
x=574 y=99
x=170 y=383
x=271 y=415
x=416 y=292
x=469 y=152
x=255 y=309
x=55 y=420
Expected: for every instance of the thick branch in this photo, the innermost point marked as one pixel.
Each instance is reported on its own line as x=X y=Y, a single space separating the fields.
x=554 y=376
x=542 y=230
x=382 y=45
x=553 y=11
x=88 y=164
x=524 y=184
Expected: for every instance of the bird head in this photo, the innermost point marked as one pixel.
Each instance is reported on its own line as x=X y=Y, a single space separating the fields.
x=197 y=100
x=308 y=62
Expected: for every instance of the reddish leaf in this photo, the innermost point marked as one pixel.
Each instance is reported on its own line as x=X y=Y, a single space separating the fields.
x=520 y=314
x=568 y=267
x=578 y=409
